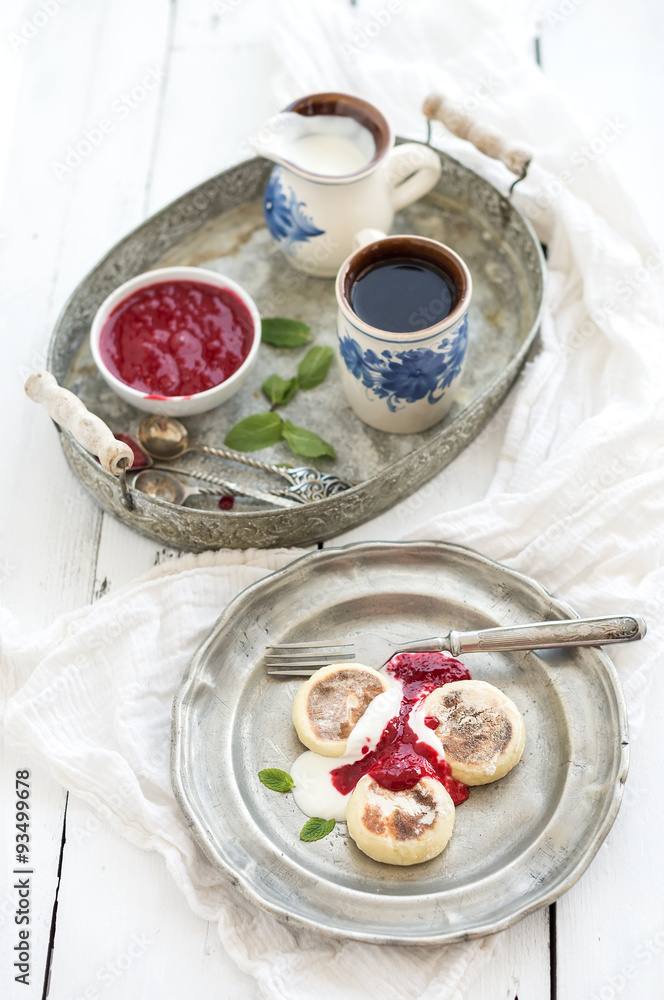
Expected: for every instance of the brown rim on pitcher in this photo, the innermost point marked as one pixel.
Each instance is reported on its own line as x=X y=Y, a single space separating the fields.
x=413 y=247
x=346 y=106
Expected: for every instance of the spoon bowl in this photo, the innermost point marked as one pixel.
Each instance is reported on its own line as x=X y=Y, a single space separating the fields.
x=164 y=485
x=166 y=438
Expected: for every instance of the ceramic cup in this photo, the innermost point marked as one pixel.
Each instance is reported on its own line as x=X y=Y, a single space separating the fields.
x=314 y=217
x=403 y=382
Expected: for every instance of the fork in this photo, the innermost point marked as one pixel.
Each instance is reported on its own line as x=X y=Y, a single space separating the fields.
x=301 y=659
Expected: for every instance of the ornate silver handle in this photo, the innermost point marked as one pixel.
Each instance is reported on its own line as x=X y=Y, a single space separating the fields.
x=548 y=635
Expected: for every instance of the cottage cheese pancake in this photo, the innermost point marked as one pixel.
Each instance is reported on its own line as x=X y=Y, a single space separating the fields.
x=330 y=703
x=480 y=728
x=400 y=828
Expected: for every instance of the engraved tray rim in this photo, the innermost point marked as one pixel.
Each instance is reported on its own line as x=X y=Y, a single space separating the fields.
x=199 y=530
x=267 y=871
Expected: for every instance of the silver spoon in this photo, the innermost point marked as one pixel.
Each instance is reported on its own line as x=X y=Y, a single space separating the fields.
x=162 y=484
x=166 y=438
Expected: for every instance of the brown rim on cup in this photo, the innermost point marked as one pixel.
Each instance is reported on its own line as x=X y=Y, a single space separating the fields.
x=413 y=247
x=347 y=106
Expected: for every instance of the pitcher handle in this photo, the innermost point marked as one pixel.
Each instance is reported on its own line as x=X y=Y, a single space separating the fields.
x=412 y=170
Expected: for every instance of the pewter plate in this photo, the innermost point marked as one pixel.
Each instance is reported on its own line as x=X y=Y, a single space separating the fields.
x=220 y=225
x=517 y=844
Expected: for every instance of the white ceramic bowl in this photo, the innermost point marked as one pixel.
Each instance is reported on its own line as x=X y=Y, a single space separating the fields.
x=175 y=406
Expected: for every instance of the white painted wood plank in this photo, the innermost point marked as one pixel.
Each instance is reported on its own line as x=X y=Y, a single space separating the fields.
x=218 y=93
x=45 y=806
x=519 y=965
x=56 y=227
x=59 y=593
x=49 y=526
x=186 y=953
x=606 y=58
x=126 y=930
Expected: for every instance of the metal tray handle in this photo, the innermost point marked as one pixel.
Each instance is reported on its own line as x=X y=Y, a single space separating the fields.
x=89 y=430
x=485 y=138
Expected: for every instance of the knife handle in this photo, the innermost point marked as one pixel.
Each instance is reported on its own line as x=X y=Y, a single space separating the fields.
x=548 y=635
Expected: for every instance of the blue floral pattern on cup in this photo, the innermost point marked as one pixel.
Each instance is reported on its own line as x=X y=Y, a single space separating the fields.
x=284 y=214
x=401 y=377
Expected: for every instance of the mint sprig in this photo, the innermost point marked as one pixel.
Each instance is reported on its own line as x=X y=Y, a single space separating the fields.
x=258 y=431
x=314 y=367
x=304 y=442
x=281 y=332
x=316 y=828
x=264 y=429
x=278 y=390
x=276 y=779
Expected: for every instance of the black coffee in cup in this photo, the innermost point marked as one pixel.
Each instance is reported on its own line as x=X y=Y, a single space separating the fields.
x=402 y=295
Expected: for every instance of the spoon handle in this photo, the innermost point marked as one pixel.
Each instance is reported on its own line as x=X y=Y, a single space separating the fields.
x=240 y=490
x=236 y=457
x=89 y=430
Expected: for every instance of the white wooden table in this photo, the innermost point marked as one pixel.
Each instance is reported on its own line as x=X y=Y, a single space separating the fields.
x=183 y=85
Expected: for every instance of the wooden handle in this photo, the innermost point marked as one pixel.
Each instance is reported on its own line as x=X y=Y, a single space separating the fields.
x=488 y=140
x=90 y=431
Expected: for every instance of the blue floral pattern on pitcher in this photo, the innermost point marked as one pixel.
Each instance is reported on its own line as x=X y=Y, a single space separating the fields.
x=284 y=214
x=401 y=377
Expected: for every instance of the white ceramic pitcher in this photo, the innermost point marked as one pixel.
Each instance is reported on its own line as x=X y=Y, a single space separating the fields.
x=314 y=216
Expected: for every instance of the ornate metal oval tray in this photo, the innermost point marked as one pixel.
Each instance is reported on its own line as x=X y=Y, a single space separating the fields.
x=517 y=844
x=220 y=225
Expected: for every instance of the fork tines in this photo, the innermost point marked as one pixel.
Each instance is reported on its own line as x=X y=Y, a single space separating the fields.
x=291 y=656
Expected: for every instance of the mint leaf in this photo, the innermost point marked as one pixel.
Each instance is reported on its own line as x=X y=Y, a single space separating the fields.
x=278 y=390
x=306 y=443
x=314 y=366
x=258 y=431
x=282 y=332
x=276 y=779
x=316 y=829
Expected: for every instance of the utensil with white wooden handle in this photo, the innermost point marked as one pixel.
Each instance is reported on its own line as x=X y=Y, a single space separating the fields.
x=301 y=659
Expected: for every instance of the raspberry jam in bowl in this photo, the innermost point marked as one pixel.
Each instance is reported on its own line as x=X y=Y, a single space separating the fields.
x=176 y=341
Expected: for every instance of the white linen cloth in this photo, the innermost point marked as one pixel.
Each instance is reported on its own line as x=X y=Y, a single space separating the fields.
x=576 y=500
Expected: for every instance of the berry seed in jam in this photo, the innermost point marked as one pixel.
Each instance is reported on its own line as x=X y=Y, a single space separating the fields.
x=177 y=338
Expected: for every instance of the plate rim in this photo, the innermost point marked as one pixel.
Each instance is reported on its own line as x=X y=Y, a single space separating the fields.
x=447 y=937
